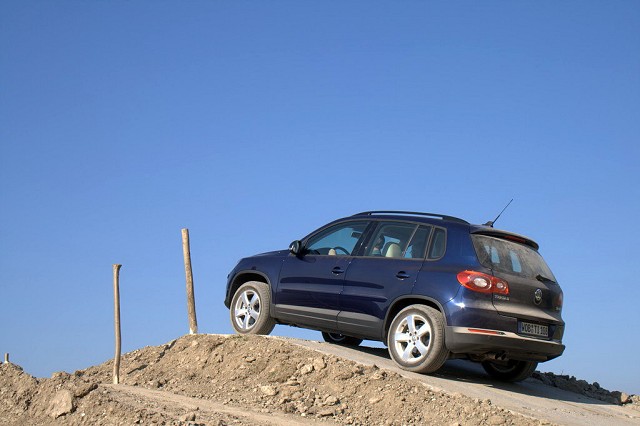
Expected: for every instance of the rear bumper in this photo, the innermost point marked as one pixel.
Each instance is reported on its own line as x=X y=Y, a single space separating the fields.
x=464 y=340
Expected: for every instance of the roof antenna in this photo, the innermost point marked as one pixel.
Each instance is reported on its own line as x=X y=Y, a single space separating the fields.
x=491 y=222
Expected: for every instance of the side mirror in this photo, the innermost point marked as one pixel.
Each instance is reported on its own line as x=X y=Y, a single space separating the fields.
x=296 y=247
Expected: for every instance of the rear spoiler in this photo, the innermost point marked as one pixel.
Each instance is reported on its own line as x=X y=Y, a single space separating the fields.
x=491 y=232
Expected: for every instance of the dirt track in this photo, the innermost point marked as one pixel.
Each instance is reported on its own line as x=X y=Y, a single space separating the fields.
x=225 y=380
x=531 y=397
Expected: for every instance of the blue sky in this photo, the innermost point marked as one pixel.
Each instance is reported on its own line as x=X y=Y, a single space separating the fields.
x=252 y=123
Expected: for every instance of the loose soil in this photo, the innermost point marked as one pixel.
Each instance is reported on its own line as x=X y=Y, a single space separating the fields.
x=239 y=380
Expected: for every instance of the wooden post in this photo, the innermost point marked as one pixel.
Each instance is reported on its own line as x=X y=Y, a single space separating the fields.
x=6 y=358
x=116 y=310
x=191 y=301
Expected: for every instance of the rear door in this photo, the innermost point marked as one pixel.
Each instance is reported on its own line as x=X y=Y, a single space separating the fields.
x=386 y=269
x=534 y=298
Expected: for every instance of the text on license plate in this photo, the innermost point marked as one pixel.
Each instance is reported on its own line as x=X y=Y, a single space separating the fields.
x=534 y=329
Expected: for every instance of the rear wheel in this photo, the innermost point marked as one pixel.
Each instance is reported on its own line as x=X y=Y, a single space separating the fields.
x=511 y=371
x=341 y=339
x=416 y=339
x=250 y=309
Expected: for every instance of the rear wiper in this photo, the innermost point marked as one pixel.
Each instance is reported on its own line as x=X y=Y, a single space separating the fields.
x=544 y=279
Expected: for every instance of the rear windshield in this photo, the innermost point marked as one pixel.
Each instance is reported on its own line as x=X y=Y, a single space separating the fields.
x=510 y=257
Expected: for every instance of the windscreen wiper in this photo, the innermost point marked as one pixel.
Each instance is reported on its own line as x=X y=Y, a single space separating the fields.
x=544 y=279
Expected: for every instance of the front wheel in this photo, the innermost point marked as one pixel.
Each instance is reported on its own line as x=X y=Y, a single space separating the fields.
x=250 y=309
x=511 y=371
x=416 y=339
x=340 y=339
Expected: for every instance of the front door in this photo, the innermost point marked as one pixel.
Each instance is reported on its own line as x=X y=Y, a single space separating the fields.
x=309 y=285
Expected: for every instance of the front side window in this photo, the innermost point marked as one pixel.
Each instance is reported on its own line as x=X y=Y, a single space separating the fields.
x=338 y=240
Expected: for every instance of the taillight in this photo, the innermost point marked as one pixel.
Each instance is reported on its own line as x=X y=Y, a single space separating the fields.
x=483 y=283
x=557 y=302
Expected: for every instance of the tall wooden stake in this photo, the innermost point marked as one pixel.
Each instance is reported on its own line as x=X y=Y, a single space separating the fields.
x=191 y=301
x=116 y=310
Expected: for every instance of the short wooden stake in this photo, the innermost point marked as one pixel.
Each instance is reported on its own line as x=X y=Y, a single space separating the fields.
x=191 y=301
x=6 y=358
x=116 y=316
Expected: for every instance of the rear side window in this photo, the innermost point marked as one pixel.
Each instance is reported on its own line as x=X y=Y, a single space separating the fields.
x=418 y=244
x=393 y=240
x=510 y=257
x=438 y=244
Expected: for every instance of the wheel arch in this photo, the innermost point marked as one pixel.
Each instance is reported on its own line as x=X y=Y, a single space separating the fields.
x=243 y=277
x=402 y=303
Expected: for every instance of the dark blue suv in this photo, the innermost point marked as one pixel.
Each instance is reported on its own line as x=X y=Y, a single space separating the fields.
x=431 y=287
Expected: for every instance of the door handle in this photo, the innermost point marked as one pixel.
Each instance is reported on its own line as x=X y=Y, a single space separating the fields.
x=402 y=275
x=337 y=270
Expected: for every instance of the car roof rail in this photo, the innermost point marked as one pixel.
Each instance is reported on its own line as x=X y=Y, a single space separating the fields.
x=405 y=213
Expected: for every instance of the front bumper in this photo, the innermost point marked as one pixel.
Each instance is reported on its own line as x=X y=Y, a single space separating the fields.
x=476 y=341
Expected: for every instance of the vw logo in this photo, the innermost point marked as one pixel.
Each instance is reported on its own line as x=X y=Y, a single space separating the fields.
x=537 y=296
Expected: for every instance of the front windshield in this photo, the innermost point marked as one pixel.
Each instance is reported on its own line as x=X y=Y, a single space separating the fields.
x=510 y=257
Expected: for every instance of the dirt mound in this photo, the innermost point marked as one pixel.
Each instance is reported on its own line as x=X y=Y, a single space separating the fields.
x=219 y=380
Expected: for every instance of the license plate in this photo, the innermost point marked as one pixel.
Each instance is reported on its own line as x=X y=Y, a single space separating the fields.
x=534 y=329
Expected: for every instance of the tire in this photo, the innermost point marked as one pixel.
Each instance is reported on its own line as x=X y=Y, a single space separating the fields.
x=250 y=309
x=341 y=339
x=416 y=339
x=512 y=371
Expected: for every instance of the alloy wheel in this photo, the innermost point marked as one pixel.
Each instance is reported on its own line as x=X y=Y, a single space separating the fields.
x=247 y=309
x=412 y=338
